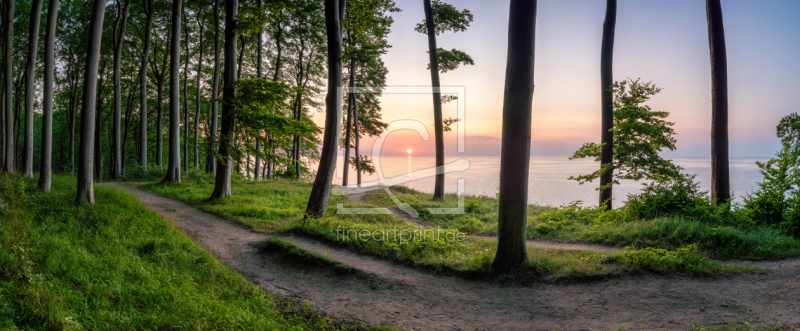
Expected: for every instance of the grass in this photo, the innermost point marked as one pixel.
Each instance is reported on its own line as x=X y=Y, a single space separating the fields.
x=292 y=254
x=117 y=265
x=572 y=223
x=262 y=205
x=277 y=206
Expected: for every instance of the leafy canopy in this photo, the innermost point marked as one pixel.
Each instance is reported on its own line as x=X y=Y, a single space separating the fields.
x=639 y=135
x=446 y=18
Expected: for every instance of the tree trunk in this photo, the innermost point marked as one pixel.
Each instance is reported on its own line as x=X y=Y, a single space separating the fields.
x=128 y=120
x=159 y=122
x=119 y=41
x=720 y=176
x=438 y=189
x=349 y=119
x=143 y=85
x=98 y=148
x=8 y=46
x=516 y=145
x=211 y=166
x=357 y=138
x=259 y=50
x=222 y=182
x=186 y=99
x=201 y=26
x=85 y=181
x=318 y=200
x=46 y=164
x=174 y=162
x=30 y=68
x=271 y=164
x=607 y=103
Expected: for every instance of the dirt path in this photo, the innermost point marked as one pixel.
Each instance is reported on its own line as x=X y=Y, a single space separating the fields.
x=417 y=300
x=399 y=214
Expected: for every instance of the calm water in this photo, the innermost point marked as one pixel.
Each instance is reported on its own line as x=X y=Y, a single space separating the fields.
x=547 y=181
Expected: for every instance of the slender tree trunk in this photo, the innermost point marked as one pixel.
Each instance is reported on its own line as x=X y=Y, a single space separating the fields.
x=186 y=99
x=46 y=164
x=357 y=137
x=271 y=164
x=334 y=11
x=607 y=101
x=174 y=162
x=119 y=41
x=516 y=145
x=143 y=85
x=159 y=122
x=85 y=181
x=720 y=175
x=128 y=120
x=8 y=46
x=211 y=160
x=347 y=139
x=222 y=182
x=73 y=111
x=201 y=26
x=98 y=148
x=30 y=68
x=438 y=189
x=259 y=61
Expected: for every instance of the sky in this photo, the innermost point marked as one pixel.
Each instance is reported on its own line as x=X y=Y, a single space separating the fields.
x=665 y=42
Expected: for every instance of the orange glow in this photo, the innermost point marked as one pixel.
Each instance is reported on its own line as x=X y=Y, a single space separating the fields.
x=409 y=151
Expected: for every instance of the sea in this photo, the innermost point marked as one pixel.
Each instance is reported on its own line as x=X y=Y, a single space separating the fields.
x=547 y=180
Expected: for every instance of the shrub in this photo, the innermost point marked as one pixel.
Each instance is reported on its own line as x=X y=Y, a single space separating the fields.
x=678 y=196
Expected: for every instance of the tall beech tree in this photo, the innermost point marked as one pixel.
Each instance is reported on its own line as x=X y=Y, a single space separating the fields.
x=222 y=181
x=174 y=161
x=211 y=163
x=120 y=25
x=201 y=24
x=46 y=164
x=720 y=173
x=334 y=14
x=147 y=8
x=8 y=84
x=30 y=68
x=440 y=17
x=85 y=189
x=516 y=144
x=607 y=103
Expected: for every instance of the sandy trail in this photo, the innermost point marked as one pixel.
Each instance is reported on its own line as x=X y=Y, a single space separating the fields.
x=418 y=300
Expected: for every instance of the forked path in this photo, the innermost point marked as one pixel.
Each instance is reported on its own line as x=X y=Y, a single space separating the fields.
x=418 y=300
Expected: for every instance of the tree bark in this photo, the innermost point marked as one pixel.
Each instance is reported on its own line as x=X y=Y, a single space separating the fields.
x=516 y=144
x=186 y=98
x=607 y=102
x=8 y=46
x=347 y=139
x=259 y=61
x=30 y=68
x=201 y=26
x=357 y=138
x=222 y=182
x=46 y=164
x=720 y=175
x=85 y=181
x=119 y=41
x=148 y=8
x=438 y=189
x=321 y=189
x=174 y=161
x=211 y=166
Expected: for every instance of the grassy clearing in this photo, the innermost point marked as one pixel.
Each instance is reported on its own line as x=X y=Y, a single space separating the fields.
x=263 y=205
x=117 y=265
x=614 y=228
x=277 y=206
x=439 y=250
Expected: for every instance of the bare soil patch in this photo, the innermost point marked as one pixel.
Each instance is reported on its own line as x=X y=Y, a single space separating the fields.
x=417 y=300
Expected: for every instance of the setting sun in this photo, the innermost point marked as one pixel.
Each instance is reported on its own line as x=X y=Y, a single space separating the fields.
x=409 y=151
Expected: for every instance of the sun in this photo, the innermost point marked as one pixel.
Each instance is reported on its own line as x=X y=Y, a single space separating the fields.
x=409 y=151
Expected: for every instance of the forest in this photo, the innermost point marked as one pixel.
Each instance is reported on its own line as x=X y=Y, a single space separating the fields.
x=161 y=168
